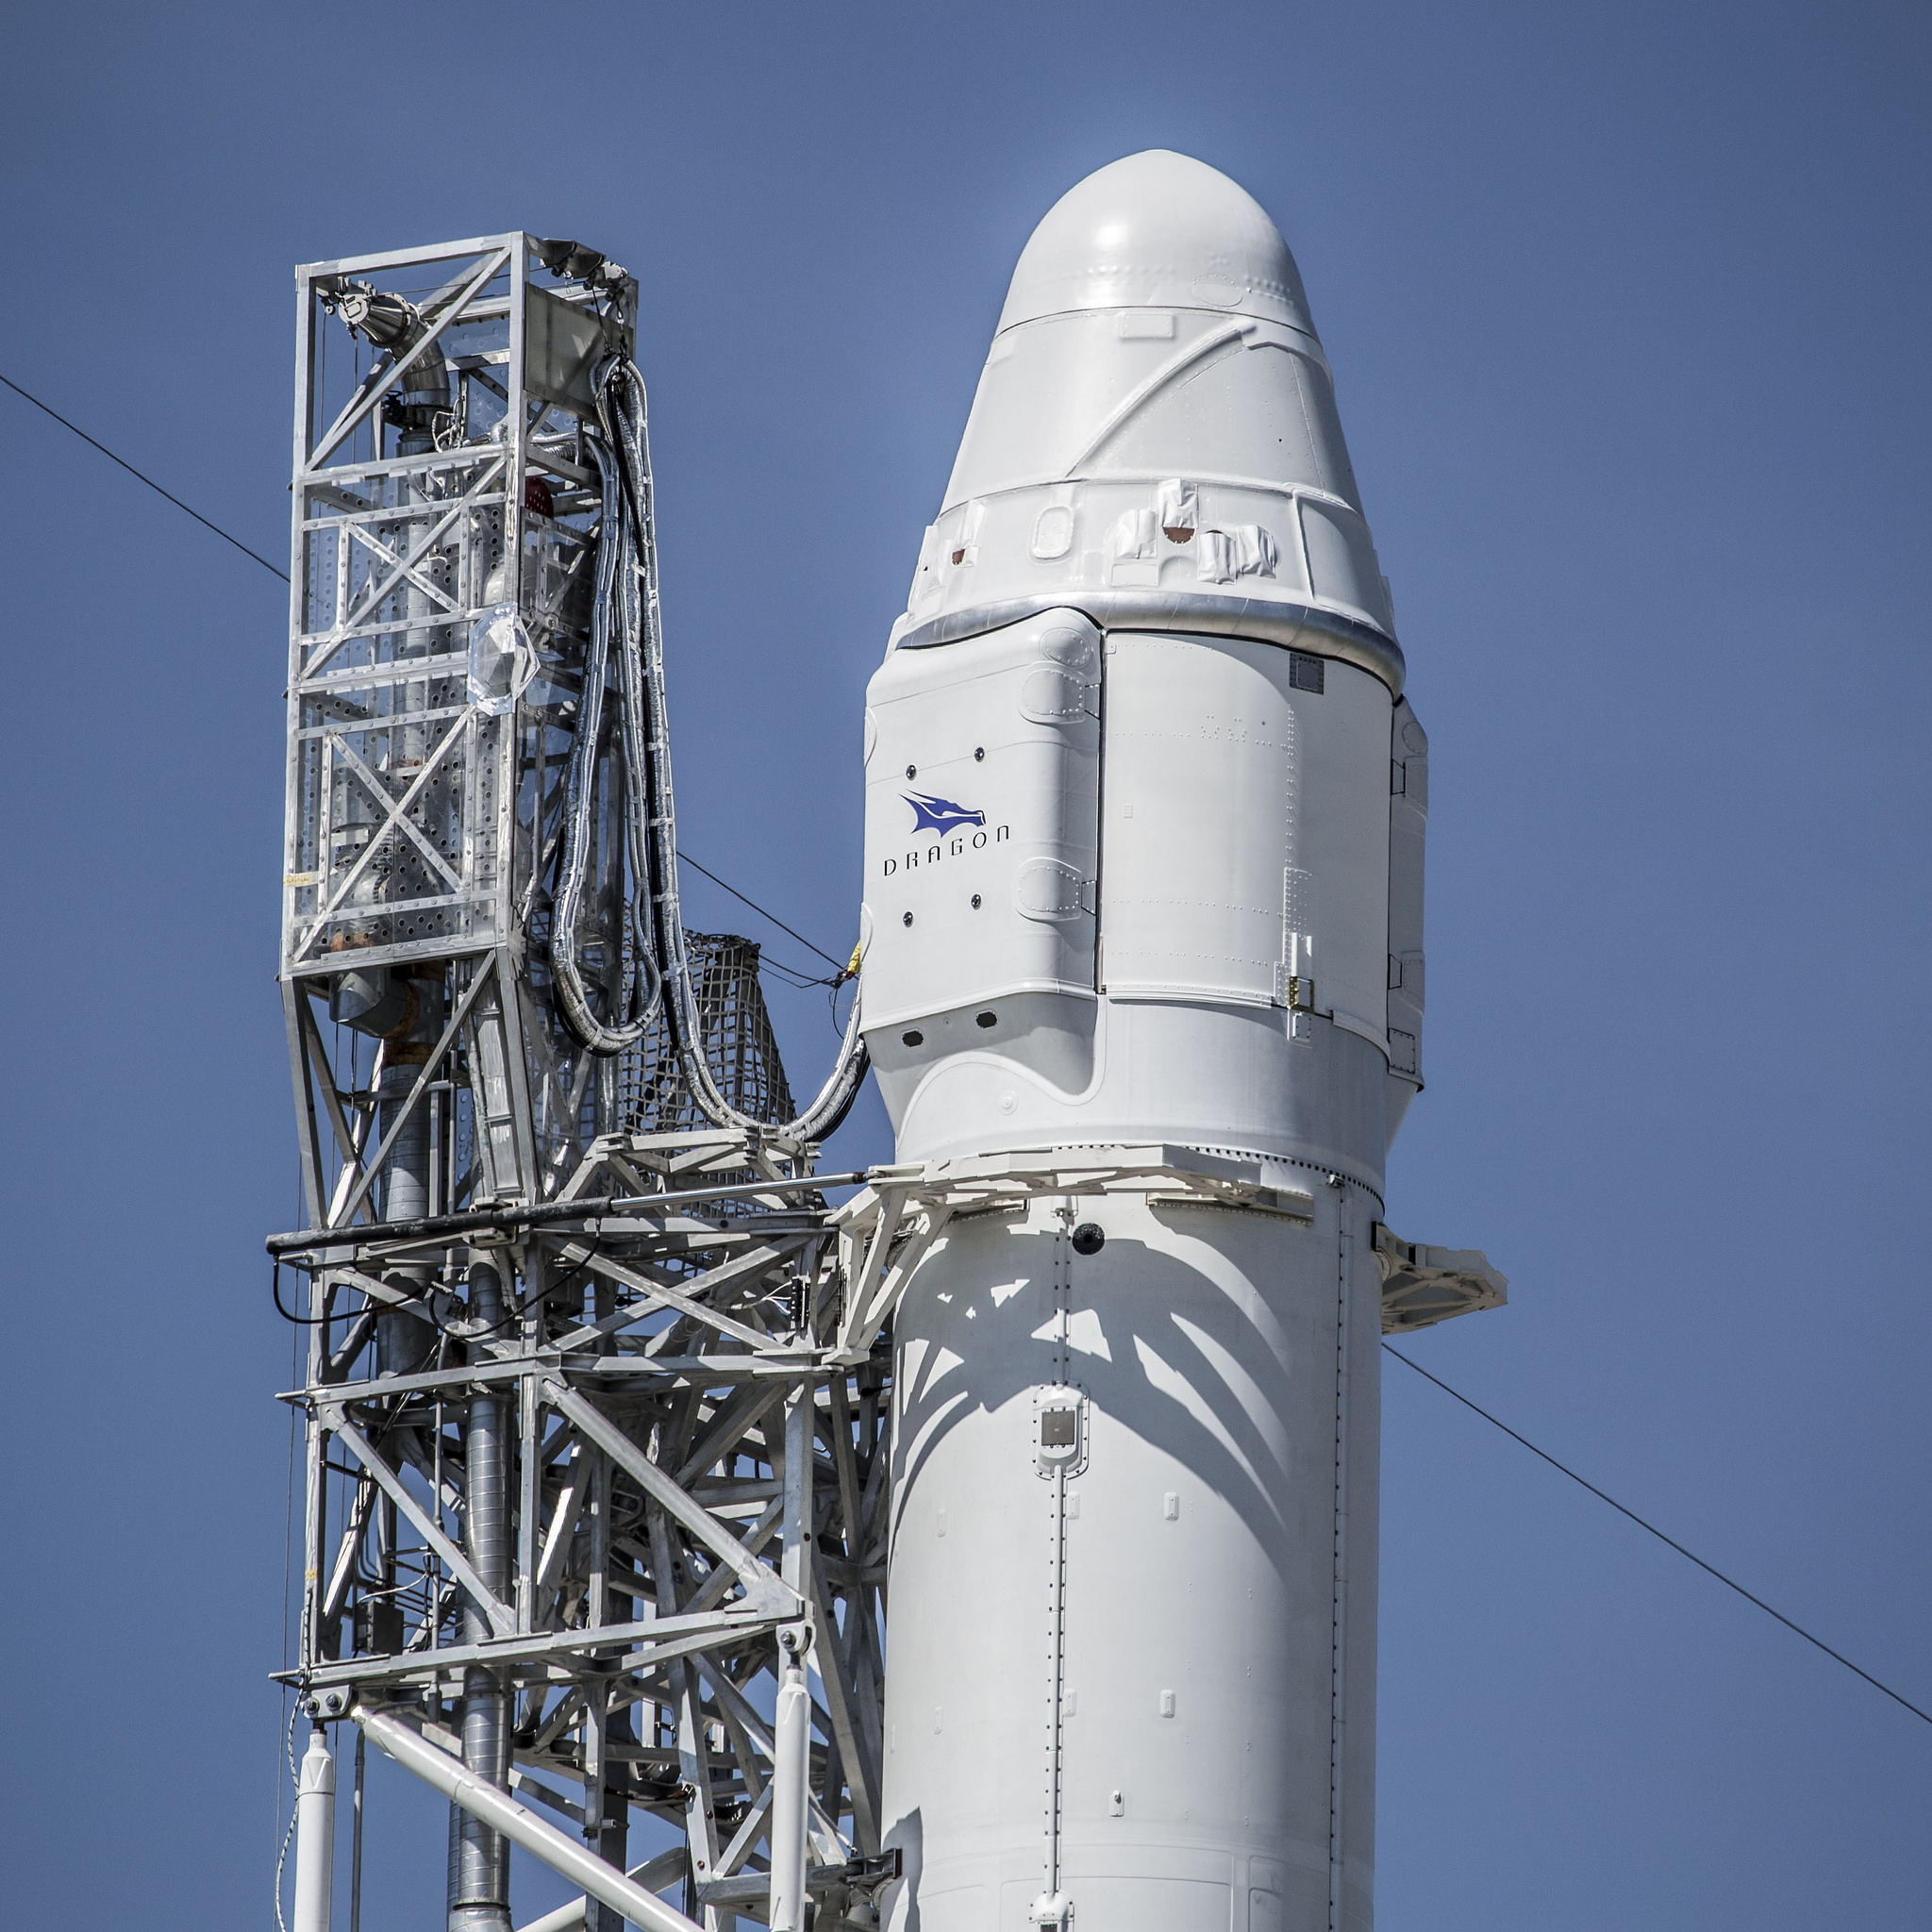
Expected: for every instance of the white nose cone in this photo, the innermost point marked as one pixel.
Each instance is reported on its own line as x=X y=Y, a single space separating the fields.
x=1158 y=230
x=1155 y=442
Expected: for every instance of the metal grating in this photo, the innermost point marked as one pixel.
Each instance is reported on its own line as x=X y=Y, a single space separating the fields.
x=653 y=1096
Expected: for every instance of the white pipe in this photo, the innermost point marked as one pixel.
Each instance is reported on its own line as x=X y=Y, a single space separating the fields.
x=565 y=1919
x=790 y=1790
x=651 y=1873
x=792 y=1723
x=556 y=1849
x=315 y=1837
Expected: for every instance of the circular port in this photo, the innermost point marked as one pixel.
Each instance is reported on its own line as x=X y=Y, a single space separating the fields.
x=986 y=1018
x=913 y=1038
x=1089 y=1238
x=979 y=753
x=909 y=919
x=975 y=902
x=912 y=771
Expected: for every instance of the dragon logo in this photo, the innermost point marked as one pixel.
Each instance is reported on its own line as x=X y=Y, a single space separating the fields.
x=930 y=814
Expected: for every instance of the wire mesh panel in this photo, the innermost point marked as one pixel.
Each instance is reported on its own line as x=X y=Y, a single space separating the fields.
x=739 y=1045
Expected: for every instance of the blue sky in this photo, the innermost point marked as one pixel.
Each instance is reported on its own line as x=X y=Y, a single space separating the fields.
x=1627 y=313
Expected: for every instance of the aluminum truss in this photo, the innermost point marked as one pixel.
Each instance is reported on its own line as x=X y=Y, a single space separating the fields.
x=446 y=514
x=698 y=1485
x=592 y=1522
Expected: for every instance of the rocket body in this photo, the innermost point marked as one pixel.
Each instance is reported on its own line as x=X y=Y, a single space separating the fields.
x=1144 y=867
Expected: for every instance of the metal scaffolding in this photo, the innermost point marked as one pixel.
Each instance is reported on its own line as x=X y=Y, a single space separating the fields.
x=578 y=1474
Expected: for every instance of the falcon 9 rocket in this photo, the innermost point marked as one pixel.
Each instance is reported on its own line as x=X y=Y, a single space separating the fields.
x=1144 y=871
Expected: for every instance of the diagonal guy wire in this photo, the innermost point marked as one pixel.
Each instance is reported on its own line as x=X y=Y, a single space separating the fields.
x=28 y=396
x=148 y=480
x=1837 y=1657
x=1797 y=1630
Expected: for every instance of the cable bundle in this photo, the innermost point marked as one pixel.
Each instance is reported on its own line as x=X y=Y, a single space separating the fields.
x=627 y=618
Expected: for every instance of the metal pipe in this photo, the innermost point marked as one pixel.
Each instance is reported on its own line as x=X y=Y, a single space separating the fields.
x=479 y=1857
x=791 y=1786
x=544 y=1840
x=606 y=1797
x=355 y=1833
x=652 y=1873
x=503 y=1219
x=405 y=1340
x=791 y=1728
x=315 y=1835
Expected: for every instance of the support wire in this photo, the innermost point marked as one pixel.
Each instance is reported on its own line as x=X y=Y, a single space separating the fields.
x=1837 y=1657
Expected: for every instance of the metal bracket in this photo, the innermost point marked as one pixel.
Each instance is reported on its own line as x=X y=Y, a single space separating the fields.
x=1421 y=1286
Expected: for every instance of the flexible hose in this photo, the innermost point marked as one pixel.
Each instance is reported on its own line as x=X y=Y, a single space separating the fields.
x=646 y=986
x=629 y=544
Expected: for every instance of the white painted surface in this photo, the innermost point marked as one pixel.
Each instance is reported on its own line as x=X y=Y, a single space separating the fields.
x=982 y=784
x=315 y=1837
x=1155 y=345
x=1132 y=1678
x=1196 y=1659
x=1232 y=832
x=1246 y=828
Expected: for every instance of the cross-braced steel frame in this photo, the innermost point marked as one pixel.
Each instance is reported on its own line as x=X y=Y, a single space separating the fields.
x=697 y=1485
x=587 y=1510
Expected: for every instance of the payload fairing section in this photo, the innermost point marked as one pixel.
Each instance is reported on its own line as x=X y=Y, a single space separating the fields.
x=1145 y=886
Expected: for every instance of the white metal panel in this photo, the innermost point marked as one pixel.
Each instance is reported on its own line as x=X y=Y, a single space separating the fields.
x=1084 y=393
x=1157 y=229
x=1246 y=828
x=1201 y=805
x=1261 y=406
x=1341 y=840
x=982 y=787
x=1192 y=1709
x=1157 y=346
x=1341 y=562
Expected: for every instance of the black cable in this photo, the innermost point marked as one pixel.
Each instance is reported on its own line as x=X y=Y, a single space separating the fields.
x=300 y=1321
x=519 y=1309
x=1837 y=1657
x=838 y=965
x=832 y=999
x=148 y=480
x=842 y=973
x=841 y=969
